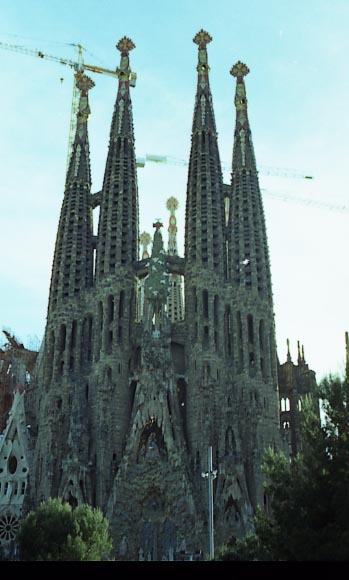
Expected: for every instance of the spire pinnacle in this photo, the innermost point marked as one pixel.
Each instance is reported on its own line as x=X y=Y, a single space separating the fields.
x=84 y=84
x=202 y=39
x=79 y=164
x=125 y=45
x=299 y=353
x=239 y=71
x=118 y=236
x=172 y=204
x=175 y=297
x=145 y=240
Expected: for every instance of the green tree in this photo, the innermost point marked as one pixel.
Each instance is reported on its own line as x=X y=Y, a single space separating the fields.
x=56 y=531
x=308 y=495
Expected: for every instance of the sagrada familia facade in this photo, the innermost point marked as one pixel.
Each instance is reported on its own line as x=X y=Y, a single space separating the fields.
x=151 y=361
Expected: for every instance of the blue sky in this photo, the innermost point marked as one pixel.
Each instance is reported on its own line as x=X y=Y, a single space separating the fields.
x=298 y=91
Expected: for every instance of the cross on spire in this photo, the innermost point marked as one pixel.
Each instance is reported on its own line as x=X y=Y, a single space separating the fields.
x=157 y=225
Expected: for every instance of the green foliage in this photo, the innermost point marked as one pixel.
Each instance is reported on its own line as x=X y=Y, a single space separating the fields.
x=247 y=549
x=57 y=532
x=308 y=495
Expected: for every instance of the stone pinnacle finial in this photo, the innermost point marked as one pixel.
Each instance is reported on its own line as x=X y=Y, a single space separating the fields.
x=299 y=352
x=239 y=70
x=125 y=45
x=172 y=204
x=202 y=38
x=145 y=240
x=84 y=83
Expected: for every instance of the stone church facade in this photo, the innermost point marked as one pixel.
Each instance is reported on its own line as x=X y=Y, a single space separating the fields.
x=150 y=359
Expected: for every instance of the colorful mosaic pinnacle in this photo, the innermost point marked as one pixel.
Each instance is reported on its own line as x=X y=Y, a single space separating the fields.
x=202 y=38
x=172 y=204
x=239 y=70
x=125 y=45
x=84 y=83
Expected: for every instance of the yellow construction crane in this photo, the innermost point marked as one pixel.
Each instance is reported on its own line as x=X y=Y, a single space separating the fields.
x=79 y=66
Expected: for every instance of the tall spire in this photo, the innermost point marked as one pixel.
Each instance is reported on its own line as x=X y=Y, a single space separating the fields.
x=175 y=297
x=79 y=164
x=118 y=224
x=145 y=240
x=73 y=259
x=249 y=257
x=204 y=231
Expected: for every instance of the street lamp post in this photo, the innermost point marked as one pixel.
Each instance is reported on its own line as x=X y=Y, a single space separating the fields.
x=210 y=475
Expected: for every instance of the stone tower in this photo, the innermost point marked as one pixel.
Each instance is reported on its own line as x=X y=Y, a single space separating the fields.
x=61 y=370
x=134 y=384
x=296 y=382
x=249 y=314
x=175 y=307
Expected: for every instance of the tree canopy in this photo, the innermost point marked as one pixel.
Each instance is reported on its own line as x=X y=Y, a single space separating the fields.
x=56 y=531
x=308 y=494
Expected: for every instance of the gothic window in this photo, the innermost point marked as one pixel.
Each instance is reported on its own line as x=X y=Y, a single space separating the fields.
x=109 y=341
x=86 y=339
x=108 y=376
x=51 y=351
x=250 y=329
x=195 y=301
x=62 y=337
x=215 y=309
x=228 y=330
x=285 y=405
x=205 y=303
x=110 y=308
x=205 y=340
x=240 y=342
x=9 y=526
x=12 y=464
x=99 y=330
x=262 y=348
x=121 y=304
